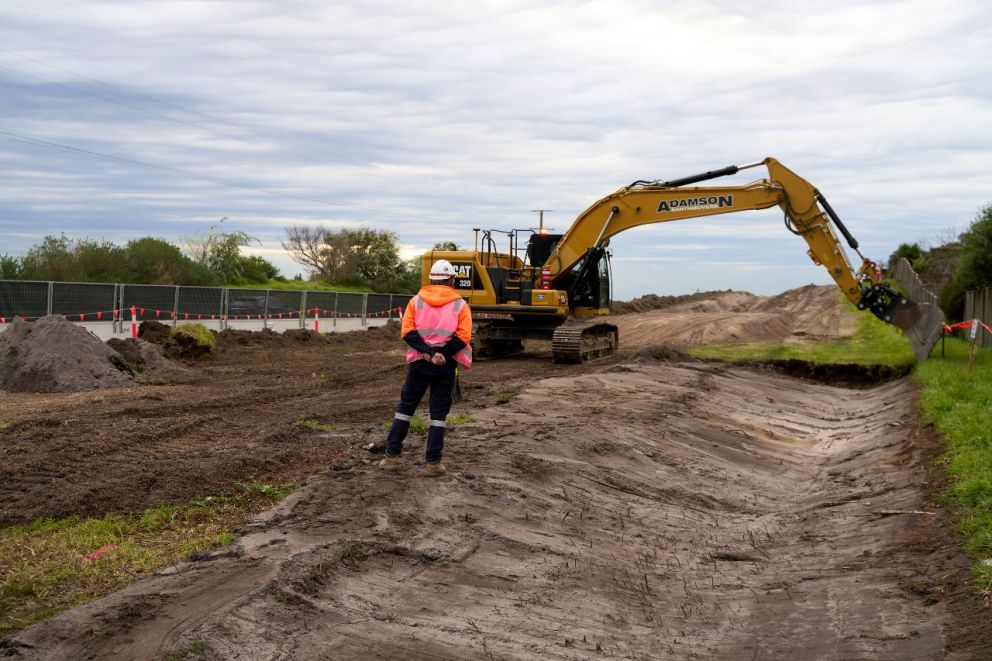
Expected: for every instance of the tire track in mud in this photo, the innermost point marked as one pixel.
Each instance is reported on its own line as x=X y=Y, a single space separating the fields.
x=645 y=511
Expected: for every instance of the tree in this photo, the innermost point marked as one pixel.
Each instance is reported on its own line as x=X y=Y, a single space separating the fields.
x=10 y=268
x=910 y=251
x=220 y=253
x=370 y=256
x=974 y=269
x=157 y=262
x=50 y=260
x=446 y=245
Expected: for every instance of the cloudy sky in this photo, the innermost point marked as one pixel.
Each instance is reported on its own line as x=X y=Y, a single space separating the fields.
x=128 y=119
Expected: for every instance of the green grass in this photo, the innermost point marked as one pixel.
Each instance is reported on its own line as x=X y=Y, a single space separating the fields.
x=504 y=398
x=312 y=423
x=4 y=425
x=420 y=427
x=300 y=285
x=51 y=565
x=874 y=343
x=959 y=405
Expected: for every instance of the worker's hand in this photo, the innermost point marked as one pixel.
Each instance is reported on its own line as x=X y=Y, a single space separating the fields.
x=438 y=359
x=425 y=356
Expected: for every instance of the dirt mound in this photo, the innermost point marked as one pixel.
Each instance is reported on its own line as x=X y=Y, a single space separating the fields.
x=53 y=355
x=304 y=335
x=154 y=331
x=802 y=314
x=655 y=302
x=146 y=357
x=236 y=337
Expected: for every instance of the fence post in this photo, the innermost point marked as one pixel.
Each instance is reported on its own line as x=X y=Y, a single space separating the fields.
x=51 y=294
x=223 y=308
x=175 y=308
x=365 y=310
x=335 y=322
x=303 y=309
x=265 y=312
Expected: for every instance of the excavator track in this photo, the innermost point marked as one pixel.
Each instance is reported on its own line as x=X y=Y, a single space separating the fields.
x=581 y=341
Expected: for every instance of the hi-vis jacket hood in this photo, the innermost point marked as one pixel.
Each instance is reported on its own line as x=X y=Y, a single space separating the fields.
x=438 y=295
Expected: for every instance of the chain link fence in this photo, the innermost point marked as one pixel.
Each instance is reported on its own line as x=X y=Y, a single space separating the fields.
x=113 y=303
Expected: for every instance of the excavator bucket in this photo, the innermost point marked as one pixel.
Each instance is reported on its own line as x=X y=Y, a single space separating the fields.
x=923 y=324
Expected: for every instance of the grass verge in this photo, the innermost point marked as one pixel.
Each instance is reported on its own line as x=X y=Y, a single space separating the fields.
x=52 y=565
x=959 y=405
x=874 y=343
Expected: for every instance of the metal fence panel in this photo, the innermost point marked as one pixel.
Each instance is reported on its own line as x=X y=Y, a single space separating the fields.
x=350 y=305
x=245 y=302
x=35 y=299
x=95 y=301
x=198 y=303
x=150 y=301
x=23 y=298
x=285 y=302
x=377 y=305
x=325 y=301
x=400 y=302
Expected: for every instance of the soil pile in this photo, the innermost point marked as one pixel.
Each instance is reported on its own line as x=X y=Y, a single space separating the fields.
x=154 y=331
x=146 y=357
x=53 y=355
x=813 y=312
x=654 y=302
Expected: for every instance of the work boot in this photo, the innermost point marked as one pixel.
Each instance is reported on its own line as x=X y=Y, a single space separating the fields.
x=390 y=463
x=436 y=470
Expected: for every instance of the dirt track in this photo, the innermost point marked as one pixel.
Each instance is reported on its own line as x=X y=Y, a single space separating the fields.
x=626 y=509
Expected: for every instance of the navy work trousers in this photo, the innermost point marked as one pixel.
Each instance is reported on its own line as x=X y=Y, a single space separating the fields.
x=420 y=376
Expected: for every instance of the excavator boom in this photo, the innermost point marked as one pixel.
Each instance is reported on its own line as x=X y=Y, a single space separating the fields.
x=807 y=214
x=563 y=278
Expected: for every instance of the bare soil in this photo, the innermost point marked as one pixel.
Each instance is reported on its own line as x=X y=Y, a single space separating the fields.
x=627 y=508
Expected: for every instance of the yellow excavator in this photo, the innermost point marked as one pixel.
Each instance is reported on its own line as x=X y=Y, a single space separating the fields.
x=557 y=285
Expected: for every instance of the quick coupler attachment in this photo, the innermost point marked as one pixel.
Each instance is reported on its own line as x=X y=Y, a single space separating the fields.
x=922 y=323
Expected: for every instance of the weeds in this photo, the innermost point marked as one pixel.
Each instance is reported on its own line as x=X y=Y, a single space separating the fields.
x=312 y=423
x=504 y=398
x=4 y=425
x=51 y=565
x=273 y=493
x=460 y=419
x=417 y=425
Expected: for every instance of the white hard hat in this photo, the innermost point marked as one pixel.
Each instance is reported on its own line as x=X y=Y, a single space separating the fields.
x=442 y=270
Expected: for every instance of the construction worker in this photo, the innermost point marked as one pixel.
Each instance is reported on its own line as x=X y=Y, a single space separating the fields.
x=437 y=325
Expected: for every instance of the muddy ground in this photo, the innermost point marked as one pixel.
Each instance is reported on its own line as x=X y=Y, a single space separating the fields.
x=628 y=508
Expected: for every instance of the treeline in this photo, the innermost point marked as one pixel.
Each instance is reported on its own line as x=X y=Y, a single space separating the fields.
x=355 y=258
x=214 y=259
x=955 y=267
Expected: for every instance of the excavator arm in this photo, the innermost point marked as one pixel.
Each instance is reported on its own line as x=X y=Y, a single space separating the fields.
x=807 y=214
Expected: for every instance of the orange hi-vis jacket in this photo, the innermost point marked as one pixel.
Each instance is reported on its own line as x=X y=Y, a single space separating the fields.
x=438 y=313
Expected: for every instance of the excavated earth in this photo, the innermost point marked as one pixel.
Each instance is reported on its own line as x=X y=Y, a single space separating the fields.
x=628 y=508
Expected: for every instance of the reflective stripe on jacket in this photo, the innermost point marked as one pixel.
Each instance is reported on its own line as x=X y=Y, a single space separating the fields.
x=437 y=325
